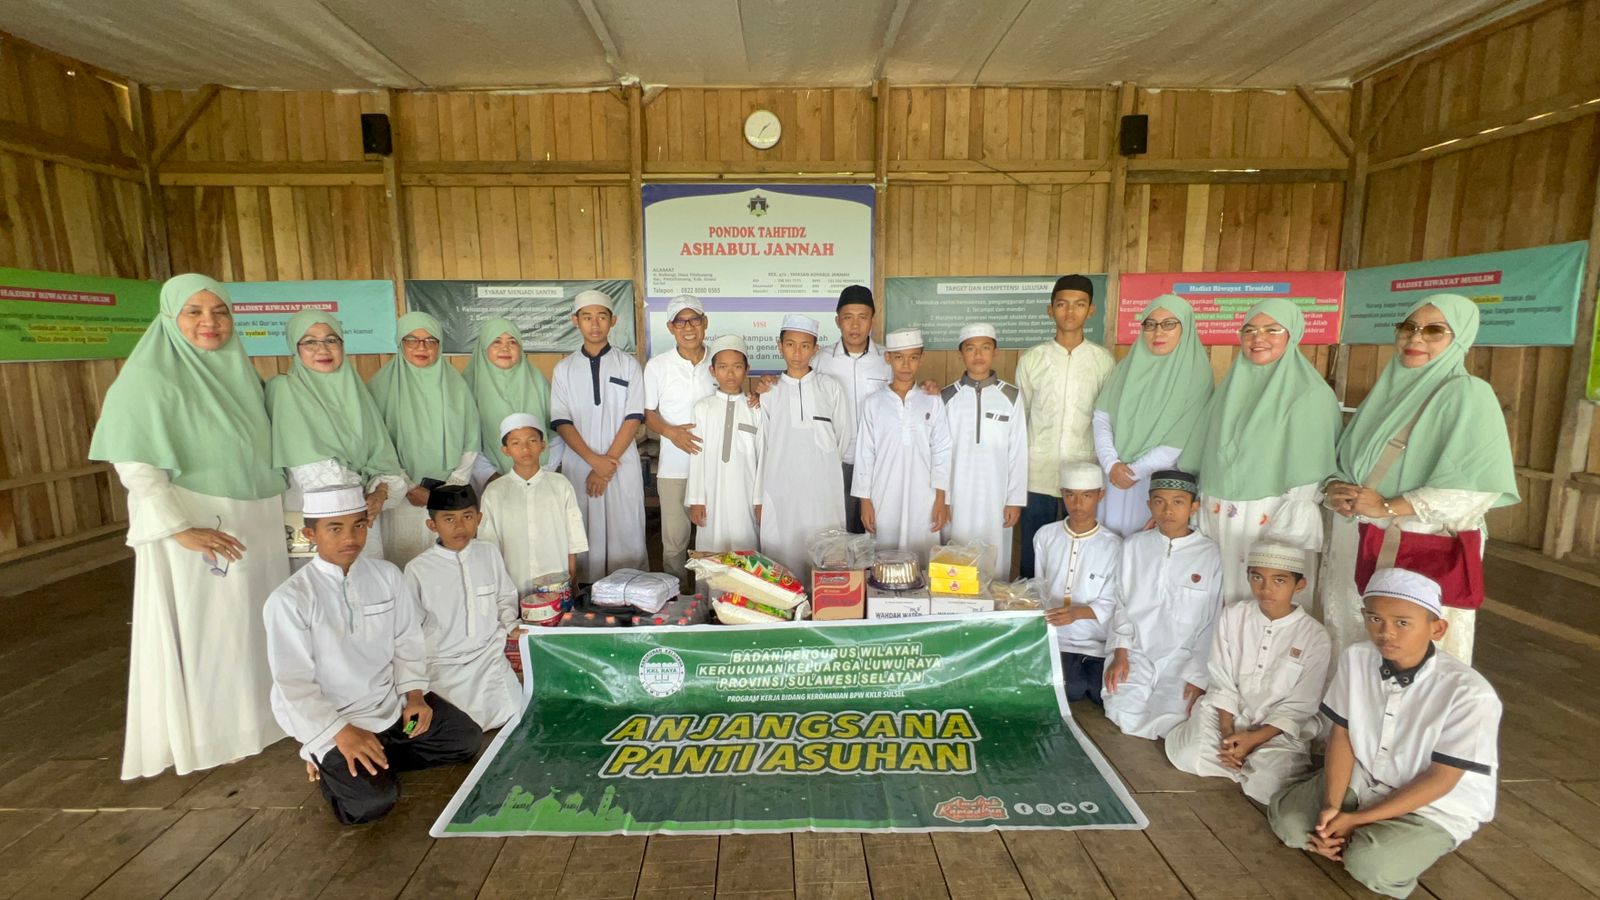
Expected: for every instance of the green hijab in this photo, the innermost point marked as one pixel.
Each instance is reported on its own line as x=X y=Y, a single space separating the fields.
x=501 y=392
x=1156 y=401
x=1267 y=428
x=327 y=415
x=199 y=414
x=1460 y=442
x=429 y=412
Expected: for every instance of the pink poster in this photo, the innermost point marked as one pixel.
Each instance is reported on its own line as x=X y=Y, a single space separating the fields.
x=1220 y=300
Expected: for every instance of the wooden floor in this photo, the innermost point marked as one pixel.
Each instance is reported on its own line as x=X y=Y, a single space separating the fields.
x=256 y=829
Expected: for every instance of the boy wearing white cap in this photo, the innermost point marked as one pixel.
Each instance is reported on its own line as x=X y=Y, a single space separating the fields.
x=597 y=406
x=1078 y=560
x=989 y=450
x=1410 y=770
x=349 y=673
x=806 y=424
x=857 y=363
x=720 y=494
x=902 y=469
x=1269 y=662
x=674 y=381
x=530 y=513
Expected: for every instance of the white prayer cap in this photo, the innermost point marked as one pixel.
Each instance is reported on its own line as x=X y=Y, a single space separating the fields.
x=519 y=420
x=797 y=322
x=903 y=339
x=325 y=503
x=1082 y=476
x=976 y=330
x=728 y=342
x=683 y=302
x=592 y=298
x=1404 y=584
x=1272 y=555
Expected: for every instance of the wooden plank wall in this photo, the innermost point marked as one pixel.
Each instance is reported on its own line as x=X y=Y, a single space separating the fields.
x=1536 y=186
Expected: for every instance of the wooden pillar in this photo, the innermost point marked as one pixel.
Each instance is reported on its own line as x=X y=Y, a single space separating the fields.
x=1577 y=414
x=636 y=138
x=1116 y=201
x=1355 y=212
x=880 y=183
x=157 y=249
x=394 y=203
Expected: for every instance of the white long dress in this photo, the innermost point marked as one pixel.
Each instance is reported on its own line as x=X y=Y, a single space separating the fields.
x=198 y=682
x=1127 y=511
x=988 y=463
x=902 y=461
x=806 y=423
x=326 y=473
x=1293 y=518
x=1439 y=511
x=722 y=476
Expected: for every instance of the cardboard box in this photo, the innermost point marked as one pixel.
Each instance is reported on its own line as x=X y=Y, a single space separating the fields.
x=954 y=563
x=838 y=594
x=897 y=604
x=951 y=606
x=959 y=587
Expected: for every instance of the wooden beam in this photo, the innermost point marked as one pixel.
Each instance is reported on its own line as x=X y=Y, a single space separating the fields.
x=30 y=141
x=603 y=35
x=1072 y=177
x=762 y=167
x=411 y=179
x=65 y=61
x=1235 y=176
x=157 y=243
x=880 y=182
x=60 y=543
x=394 y=204
x=1354 y=217
x=1522 y=120
x=1247 y=164
x=636 y=207
x=1340 y=135
x=22 y=481
x=1369 y=130
x=190 y=116
x=1116 y=198
x=891 y=33
x=104 y=95
x=1008 y=165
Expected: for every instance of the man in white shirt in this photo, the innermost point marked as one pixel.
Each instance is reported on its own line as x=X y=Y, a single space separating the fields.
x=1060 y=380
x=857 y=363
x=530 y=513
x=988 y=452
x=902 y=471
x=674 y=381
x=349 y=678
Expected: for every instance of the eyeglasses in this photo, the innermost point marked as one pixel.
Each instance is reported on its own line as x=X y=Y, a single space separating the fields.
x=215 y=564
x=328 y=343
x=429 y=342
x=1164 y=326
x=1433 y=333
x=690 y=322
x=1271 y=331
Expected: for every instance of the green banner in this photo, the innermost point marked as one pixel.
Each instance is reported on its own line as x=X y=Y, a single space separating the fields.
x=1017 y=306
x=48 y=315
x=926 y=725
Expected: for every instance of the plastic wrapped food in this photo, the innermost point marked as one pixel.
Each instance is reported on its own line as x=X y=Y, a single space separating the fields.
x=646 y=592
x=896 y=570
x=752 y=575
x=1023 y=594
x=551 y=596
x=959 y=569
x=837 y=549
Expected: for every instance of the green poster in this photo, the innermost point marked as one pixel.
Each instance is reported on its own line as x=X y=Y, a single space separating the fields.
x=929 y=724
x=48 y=315
x=1593 y=387
x=1017 y=307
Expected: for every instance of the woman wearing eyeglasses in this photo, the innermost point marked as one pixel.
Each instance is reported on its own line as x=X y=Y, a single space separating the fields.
x=1264 y=445
x=503 y=382
x=1456 y=465
x=433 y=420
x=326 y=429
x=186 y=427
x=1148 y=410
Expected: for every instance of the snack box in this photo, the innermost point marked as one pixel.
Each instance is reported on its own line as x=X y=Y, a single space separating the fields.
x=838 y=594
x=948 y=606
x=897 y=604
x=955 y=586
x=954 y=563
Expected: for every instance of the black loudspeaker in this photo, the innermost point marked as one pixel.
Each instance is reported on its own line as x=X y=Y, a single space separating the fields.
x=375 y=134
x=1133 y=137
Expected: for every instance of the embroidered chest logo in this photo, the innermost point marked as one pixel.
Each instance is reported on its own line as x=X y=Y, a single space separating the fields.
x=1195 y=578
x=1294 y=652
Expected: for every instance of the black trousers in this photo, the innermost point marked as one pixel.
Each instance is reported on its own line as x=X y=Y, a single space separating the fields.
x=852 y=505
x=1042 y=510
x=1084 y=676
x=451 y=738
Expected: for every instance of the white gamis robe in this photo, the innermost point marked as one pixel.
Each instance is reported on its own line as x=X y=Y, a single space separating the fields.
x=722 y=476
x=902 y=459
x=1127 y=511
x=535 y=522
x=988 y=463
x=1264 y=672
x=1085 y=568
x=198 y=680
x=596 y=395
x=345 y=649
x=1293 y=518
x=468 y=606
x=806 y=423
x=1170 y=594
x=327 y=473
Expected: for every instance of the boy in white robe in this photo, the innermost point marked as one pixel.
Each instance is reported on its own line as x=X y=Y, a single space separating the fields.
x=988 y=451
x=531 y=513
x=1269 y=662
x=349 y=678
x=1078 y=560
x=1170 y=595
x=806 y=423
x=902 y=470
x=597 y=406
x=469 y=608
x=722 y=477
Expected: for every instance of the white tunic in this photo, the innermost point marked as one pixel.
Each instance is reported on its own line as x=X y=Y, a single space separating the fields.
x=1084 y=569
x=722 y=476
x=902 y=458
x=596 y=395
x=468 y=606
x=1170 y=593
x=328 y=473
x=1263 y=672
x=988 y=463
x=535 y=522
x=405 y=527
x=344 y=650
x=1293 y=518
x=1059 y=386
x=860 y=376
x=672 y=386
x=1127 y=511
x=806 y=423
x=197 y=678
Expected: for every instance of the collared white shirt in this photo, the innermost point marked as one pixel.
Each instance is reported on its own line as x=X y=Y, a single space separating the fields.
x=1170 y=593
x=1448 y=714
x=343 y=650
x=1059 y=387
x=1269 y=671
x=861 y=376
x=672 y=386
x=535 y=522
x=1085 y=569
x=466 y=599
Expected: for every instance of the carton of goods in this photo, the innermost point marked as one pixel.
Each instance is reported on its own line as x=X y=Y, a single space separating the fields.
x=954 y=606
x=956 y=567
x=883 y=604
x=955 y=587
x=751 y=575
x=838 y=594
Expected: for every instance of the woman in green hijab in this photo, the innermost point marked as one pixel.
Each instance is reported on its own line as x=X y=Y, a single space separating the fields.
x=1455 y=468
x=504 y=382
x=430 y=414
x=185 y=426
x=1264 y=444
x=326 y=430
x=1147 y=411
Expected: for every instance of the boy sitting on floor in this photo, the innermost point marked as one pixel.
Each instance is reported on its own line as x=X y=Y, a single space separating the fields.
x=349 y=681
x=1410 y=772
x=1078 y=560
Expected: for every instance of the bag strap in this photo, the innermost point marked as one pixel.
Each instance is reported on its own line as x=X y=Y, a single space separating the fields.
x=1397 y=444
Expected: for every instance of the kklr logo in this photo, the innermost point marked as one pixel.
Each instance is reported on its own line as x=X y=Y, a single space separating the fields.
x=661 y=672
x=960 y=809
